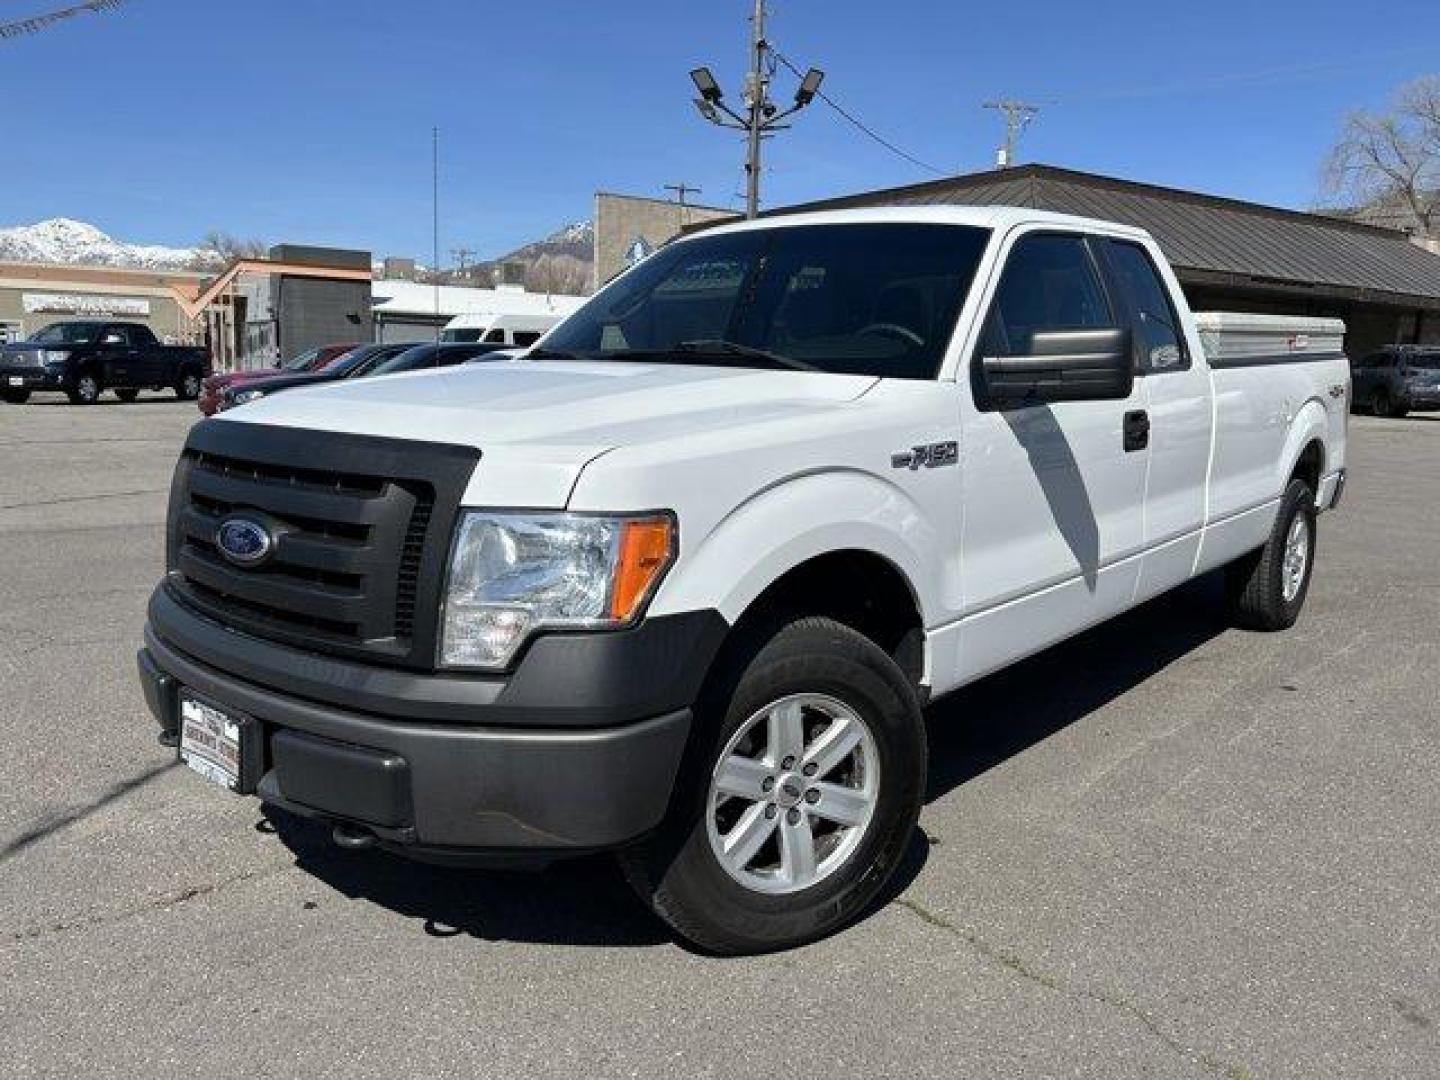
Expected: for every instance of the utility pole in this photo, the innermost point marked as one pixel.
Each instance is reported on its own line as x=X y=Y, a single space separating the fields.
x=435 y=220
x=756 y=97
x=461 y=255
x=1018 y=115
x=681 y=190
x=761 y=116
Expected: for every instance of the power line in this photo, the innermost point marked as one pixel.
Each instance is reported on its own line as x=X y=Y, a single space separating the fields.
x=858 y=123
x=36 y=23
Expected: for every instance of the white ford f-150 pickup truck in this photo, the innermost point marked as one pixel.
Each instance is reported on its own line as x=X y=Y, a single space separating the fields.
x=680 y=581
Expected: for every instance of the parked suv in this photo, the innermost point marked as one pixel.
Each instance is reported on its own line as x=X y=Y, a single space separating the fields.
x=1398 y=379
x=84 y=359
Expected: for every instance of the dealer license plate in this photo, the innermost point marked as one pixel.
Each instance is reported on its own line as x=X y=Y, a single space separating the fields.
x=17 y=380
x=212 y=742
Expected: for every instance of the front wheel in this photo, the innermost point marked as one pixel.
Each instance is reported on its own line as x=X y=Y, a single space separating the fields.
x=188 y=387
x=799 y=801
x=86 y=390
x=1268 y=587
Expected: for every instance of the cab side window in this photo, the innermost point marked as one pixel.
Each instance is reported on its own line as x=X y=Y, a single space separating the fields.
x=1157 y=328
x=497 y=336
x=526 y=337
x=1050 y=283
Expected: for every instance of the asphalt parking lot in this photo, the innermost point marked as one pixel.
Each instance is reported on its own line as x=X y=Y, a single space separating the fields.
x=1165 y=849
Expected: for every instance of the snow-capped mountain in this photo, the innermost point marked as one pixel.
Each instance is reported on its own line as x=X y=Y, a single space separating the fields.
x=579 y=232
x=63 y=240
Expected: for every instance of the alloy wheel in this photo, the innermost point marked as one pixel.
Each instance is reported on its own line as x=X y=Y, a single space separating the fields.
x=793 y=793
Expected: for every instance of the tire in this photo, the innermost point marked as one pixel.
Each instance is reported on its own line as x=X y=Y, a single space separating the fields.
x=127 y=396
x=14 y=397
x=187 y=388
x=86 y=391
x=1384 y=406
x=813 y=674
x=1265 y=593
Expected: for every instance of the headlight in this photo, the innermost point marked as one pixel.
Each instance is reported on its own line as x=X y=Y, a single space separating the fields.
x=240 y=397
x=514 y=574
x=54 y=356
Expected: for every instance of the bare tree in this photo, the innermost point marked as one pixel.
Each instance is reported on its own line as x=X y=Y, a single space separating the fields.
x=1391 y=160
x=220 y=248
x=562 y=274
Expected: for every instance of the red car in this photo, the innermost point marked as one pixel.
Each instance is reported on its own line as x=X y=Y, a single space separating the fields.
x=309 y=360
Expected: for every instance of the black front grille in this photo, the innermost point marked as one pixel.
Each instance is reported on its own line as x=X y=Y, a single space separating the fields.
x=361 y=530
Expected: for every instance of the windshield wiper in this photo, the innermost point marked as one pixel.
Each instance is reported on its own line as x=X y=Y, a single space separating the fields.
x=555 y=354
x=712 y=349
x=721 y=347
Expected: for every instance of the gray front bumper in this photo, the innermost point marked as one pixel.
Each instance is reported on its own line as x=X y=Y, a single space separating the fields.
x=442 y=788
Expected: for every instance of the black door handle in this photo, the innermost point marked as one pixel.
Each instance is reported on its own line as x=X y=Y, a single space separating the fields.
x=1137 y=430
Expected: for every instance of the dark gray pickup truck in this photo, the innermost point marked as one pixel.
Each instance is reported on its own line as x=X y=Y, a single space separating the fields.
x=85 y=358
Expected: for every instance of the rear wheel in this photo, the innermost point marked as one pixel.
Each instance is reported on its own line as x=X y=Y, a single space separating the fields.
x=127 y=395
x=188 y=387
x=15 y=397
x=86 y=390
x=1268 y=587
x=802 y=792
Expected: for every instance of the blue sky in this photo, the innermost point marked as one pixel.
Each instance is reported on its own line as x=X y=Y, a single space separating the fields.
x=309 y=120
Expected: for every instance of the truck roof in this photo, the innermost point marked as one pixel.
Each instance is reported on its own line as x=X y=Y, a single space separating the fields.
x=987 y=217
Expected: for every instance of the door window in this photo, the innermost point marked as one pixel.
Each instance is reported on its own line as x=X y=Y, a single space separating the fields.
x=1157 y=329
x=1050 y=283
x=495 y=337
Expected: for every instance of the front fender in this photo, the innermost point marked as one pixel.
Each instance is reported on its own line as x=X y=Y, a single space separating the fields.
x=792 y=522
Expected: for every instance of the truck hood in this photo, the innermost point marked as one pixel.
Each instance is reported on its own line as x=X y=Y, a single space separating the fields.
x=592 y=406
x=537 y=423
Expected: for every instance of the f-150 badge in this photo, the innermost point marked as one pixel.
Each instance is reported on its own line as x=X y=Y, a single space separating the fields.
x=929 y=456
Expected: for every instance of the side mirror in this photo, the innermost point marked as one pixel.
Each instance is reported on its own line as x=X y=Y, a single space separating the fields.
x=1062 y=365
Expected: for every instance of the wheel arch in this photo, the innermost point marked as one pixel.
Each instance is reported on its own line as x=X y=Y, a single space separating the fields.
x=840 y=544
x=1306 y=454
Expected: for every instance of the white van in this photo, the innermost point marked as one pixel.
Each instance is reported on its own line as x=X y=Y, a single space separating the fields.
x=519 y=330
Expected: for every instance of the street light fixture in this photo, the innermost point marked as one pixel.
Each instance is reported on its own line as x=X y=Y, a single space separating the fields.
x=809 y=87
x=710 y=91
x=759 y=116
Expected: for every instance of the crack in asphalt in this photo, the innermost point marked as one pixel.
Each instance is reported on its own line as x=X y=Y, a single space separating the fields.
x=159 y=903
x=1017 y=966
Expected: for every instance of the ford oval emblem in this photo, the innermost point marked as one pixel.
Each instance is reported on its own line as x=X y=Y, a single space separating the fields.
x=244 y=542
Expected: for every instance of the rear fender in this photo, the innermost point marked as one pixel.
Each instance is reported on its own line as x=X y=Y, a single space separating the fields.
x=1310 y=424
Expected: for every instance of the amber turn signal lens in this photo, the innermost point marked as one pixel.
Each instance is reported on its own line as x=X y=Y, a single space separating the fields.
x=646 y=546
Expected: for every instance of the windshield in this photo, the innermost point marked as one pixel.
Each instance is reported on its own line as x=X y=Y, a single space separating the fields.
x=70 y=333
x=304 y=362
x=408 y=360
x=339 y=365
x=871 y=299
